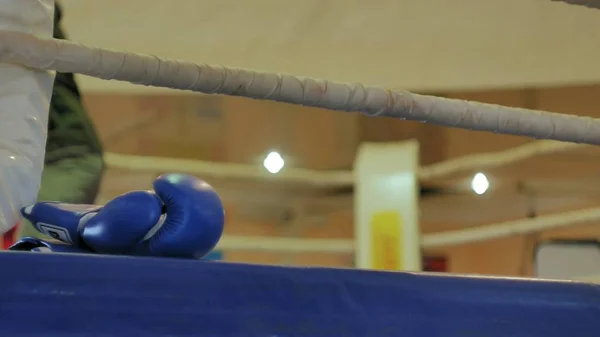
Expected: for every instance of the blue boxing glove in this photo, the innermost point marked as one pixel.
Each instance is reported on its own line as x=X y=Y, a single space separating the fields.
x=183 y=217
x=29 y=244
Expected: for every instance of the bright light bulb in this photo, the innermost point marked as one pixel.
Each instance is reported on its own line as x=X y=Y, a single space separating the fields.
x=480 y=183
x=273 y=162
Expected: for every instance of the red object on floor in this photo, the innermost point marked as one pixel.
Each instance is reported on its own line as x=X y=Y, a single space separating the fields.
x=435 y=264
x=9 y=237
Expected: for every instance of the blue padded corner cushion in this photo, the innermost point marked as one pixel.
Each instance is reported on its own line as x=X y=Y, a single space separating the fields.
x=56 y=295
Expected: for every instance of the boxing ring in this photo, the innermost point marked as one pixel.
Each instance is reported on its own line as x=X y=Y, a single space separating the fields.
x=56 y=295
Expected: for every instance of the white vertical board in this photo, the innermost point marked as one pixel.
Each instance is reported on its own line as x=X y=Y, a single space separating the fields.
x=386 y=206
x=568 y=260
x=24 y=107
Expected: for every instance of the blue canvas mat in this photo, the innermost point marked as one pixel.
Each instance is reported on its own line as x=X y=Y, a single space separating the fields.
x=56 y=295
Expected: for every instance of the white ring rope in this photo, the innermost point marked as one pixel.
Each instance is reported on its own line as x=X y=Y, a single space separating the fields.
x=479 y=161
x=428 y=241
x=64 y=56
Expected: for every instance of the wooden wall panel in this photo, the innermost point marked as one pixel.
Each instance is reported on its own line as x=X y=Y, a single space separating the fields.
x=503 y=257
x=241 y=130
x=580 y=100
x=309 y=137
x=169 y=126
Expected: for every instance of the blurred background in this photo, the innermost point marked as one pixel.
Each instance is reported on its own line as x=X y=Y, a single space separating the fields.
x=534 y=54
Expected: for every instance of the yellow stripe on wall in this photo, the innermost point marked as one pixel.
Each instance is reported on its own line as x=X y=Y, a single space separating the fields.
x=386 y=241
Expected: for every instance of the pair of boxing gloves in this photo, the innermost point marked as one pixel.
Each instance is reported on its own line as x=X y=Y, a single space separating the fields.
x=182 y=217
